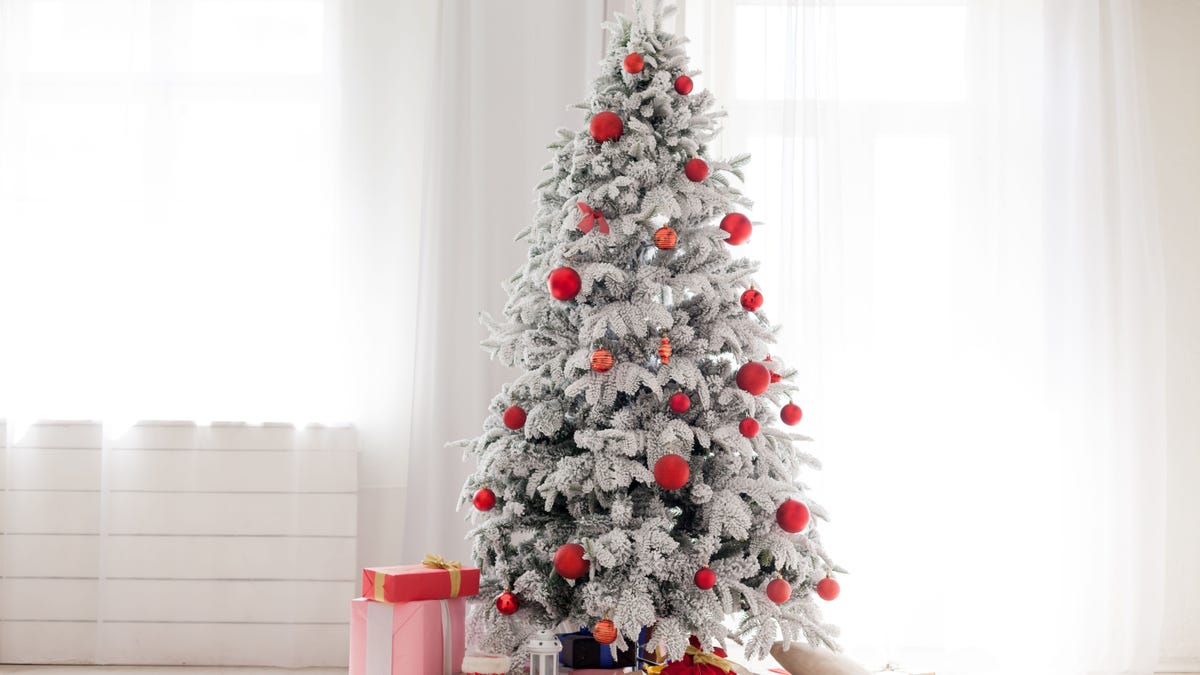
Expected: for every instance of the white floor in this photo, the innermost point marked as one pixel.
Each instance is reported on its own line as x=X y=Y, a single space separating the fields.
x=155 y=669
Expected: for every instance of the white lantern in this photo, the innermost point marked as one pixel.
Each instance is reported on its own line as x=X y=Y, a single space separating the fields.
x=543 y=653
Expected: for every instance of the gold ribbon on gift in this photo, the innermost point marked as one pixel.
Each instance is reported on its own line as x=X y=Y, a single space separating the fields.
x=454 y=567
x=698 y=657
x=708 y=659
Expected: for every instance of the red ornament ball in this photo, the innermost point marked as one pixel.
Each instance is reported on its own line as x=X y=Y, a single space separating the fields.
x=680 y=402
x=606 y=126
x=792 y=516
x=605 y=632
x=779 y=590
x=665 y=238
x=506 y=603
x=738 y=226
x=564 y=283
x=634 y=64
x=683 y=85
x=696 y=169
x=602 y=360
x=569 y=561
x=753 y=378
x=705 y=578
x=775 y=377
x=514 y=417
x=751 y=300
x=671 y=472
x=484 y=499
x=748 y=427
x=828 y=588
x=791 y=414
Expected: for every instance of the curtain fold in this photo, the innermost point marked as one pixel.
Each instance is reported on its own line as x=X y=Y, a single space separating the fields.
x=959 y=237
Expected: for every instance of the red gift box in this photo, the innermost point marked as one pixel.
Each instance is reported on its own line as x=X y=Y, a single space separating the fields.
x=433 y=579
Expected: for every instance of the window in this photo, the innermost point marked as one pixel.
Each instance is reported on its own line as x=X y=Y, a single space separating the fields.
x=168 y=210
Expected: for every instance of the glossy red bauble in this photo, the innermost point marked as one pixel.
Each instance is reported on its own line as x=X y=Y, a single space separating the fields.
x=506 y=603
x=705 y=578
x=775 y=377
x=748 y=427
x=683 y=85
x=792 y=516
x=634 y=63
x=484 y=499
x=828 y=588
x=564 y=283
x=779 y=591
x=605 y=632
x=738 y=226
x=514 y=417
x=671 y=472
x=569 y=561
x=751 y=300
x=680 y=402
x=753 y=378
x=696 y=169
x=791 y=414
x=606 y=126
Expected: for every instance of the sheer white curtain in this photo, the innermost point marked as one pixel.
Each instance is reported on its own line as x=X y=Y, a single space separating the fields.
x=169 y=195
x=959 y=235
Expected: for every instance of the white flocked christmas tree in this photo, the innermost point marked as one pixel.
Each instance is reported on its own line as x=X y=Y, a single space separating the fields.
x=639 y=337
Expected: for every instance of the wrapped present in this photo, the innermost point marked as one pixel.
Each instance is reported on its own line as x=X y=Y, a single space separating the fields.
x=485 y=664
x=410 y=637
x=434 y=579
x=580 y=650
x=697 y=662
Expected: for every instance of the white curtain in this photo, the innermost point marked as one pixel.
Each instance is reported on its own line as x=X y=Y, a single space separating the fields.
x=959 y=234
x=169 y=195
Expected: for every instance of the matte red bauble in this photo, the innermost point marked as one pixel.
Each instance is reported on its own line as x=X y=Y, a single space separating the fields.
x=696 y=169
x=605 y=632
x=680 y=402
x=634 y=64
x=671 y=472
x=705 y=578
x=484 y=499
x=569 y=561
x=828 y=588
x=606 y=126
x=564 y=283
x=738 y=226
x=748 y=427
x=790 y=414
x=751 y=300
x=665 y=238
x=683 y=85
x=792 y=516
x=514 y=417
x=602 y=360
x=753 y=378
x=506 y=603
x=779 y=590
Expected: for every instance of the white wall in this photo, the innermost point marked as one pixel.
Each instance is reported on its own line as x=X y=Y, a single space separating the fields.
x=1168 y=35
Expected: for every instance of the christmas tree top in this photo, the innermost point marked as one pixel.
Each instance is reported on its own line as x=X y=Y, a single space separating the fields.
x=635 y=472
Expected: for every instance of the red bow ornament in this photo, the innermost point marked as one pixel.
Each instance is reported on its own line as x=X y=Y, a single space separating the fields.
x=591 y=217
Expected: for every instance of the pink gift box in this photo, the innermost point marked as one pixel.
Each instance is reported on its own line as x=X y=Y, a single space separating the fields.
x=405 y=638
